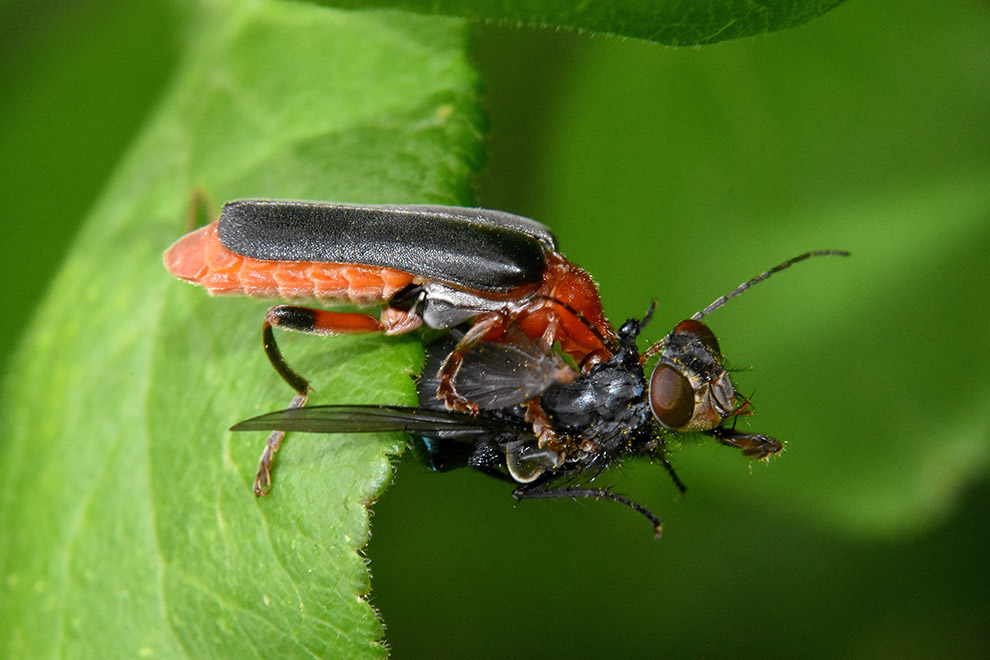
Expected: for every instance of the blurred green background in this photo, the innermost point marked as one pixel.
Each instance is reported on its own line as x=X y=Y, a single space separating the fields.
x=672 y=174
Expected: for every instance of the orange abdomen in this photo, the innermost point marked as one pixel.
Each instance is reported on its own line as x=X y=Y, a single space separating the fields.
x=199 y=257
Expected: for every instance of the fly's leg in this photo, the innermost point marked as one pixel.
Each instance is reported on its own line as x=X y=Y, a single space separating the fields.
x=673 y=474
x=753 y=445
x=537 y=490
x=656 y=449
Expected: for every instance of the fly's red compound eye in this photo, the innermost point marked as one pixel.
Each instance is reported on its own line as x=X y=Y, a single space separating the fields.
x=671 y=397
x=701 y=331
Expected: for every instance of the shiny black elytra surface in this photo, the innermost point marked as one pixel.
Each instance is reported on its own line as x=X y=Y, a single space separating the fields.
x=476 y=249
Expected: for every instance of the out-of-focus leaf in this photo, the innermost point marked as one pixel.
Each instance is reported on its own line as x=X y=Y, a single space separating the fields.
x=674 y=22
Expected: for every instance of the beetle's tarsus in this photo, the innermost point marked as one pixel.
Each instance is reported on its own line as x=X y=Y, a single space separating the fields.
x=263 y=478
x=454 y=401
x=542 y=428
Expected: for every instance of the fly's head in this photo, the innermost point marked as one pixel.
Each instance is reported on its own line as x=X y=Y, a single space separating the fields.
x=690 y=390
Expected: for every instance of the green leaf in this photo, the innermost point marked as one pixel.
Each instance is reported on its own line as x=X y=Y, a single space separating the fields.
x=136 y=530
x=673 y=22
x=668 y=173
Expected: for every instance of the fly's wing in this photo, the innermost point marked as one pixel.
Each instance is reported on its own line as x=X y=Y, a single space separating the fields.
x=496 y=375
x=377 y=419
x=444 y=440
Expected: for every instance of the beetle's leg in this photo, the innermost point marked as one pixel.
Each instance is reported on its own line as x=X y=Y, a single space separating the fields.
x=263 y=478
x=536 y=490
x=314 y=322
x=542 y=428
x=753 y=445
x=486 y=326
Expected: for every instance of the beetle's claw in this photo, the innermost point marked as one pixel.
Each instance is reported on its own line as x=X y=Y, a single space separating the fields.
x=454 y=401
x=262 y=484
x=263 y=478
x=458 y=403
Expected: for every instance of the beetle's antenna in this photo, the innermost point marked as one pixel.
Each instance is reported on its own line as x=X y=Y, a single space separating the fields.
x=580 y=317
x=764 y=275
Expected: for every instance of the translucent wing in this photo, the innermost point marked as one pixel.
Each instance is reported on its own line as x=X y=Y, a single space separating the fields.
x=497 y=375
x=372 y=419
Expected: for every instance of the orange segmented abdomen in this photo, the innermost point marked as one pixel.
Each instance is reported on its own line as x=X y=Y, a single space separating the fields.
x=199 y=257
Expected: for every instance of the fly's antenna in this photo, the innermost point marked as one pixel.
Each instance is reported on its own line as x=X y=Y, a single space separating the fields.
x=660 y=345
x=764 y=275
